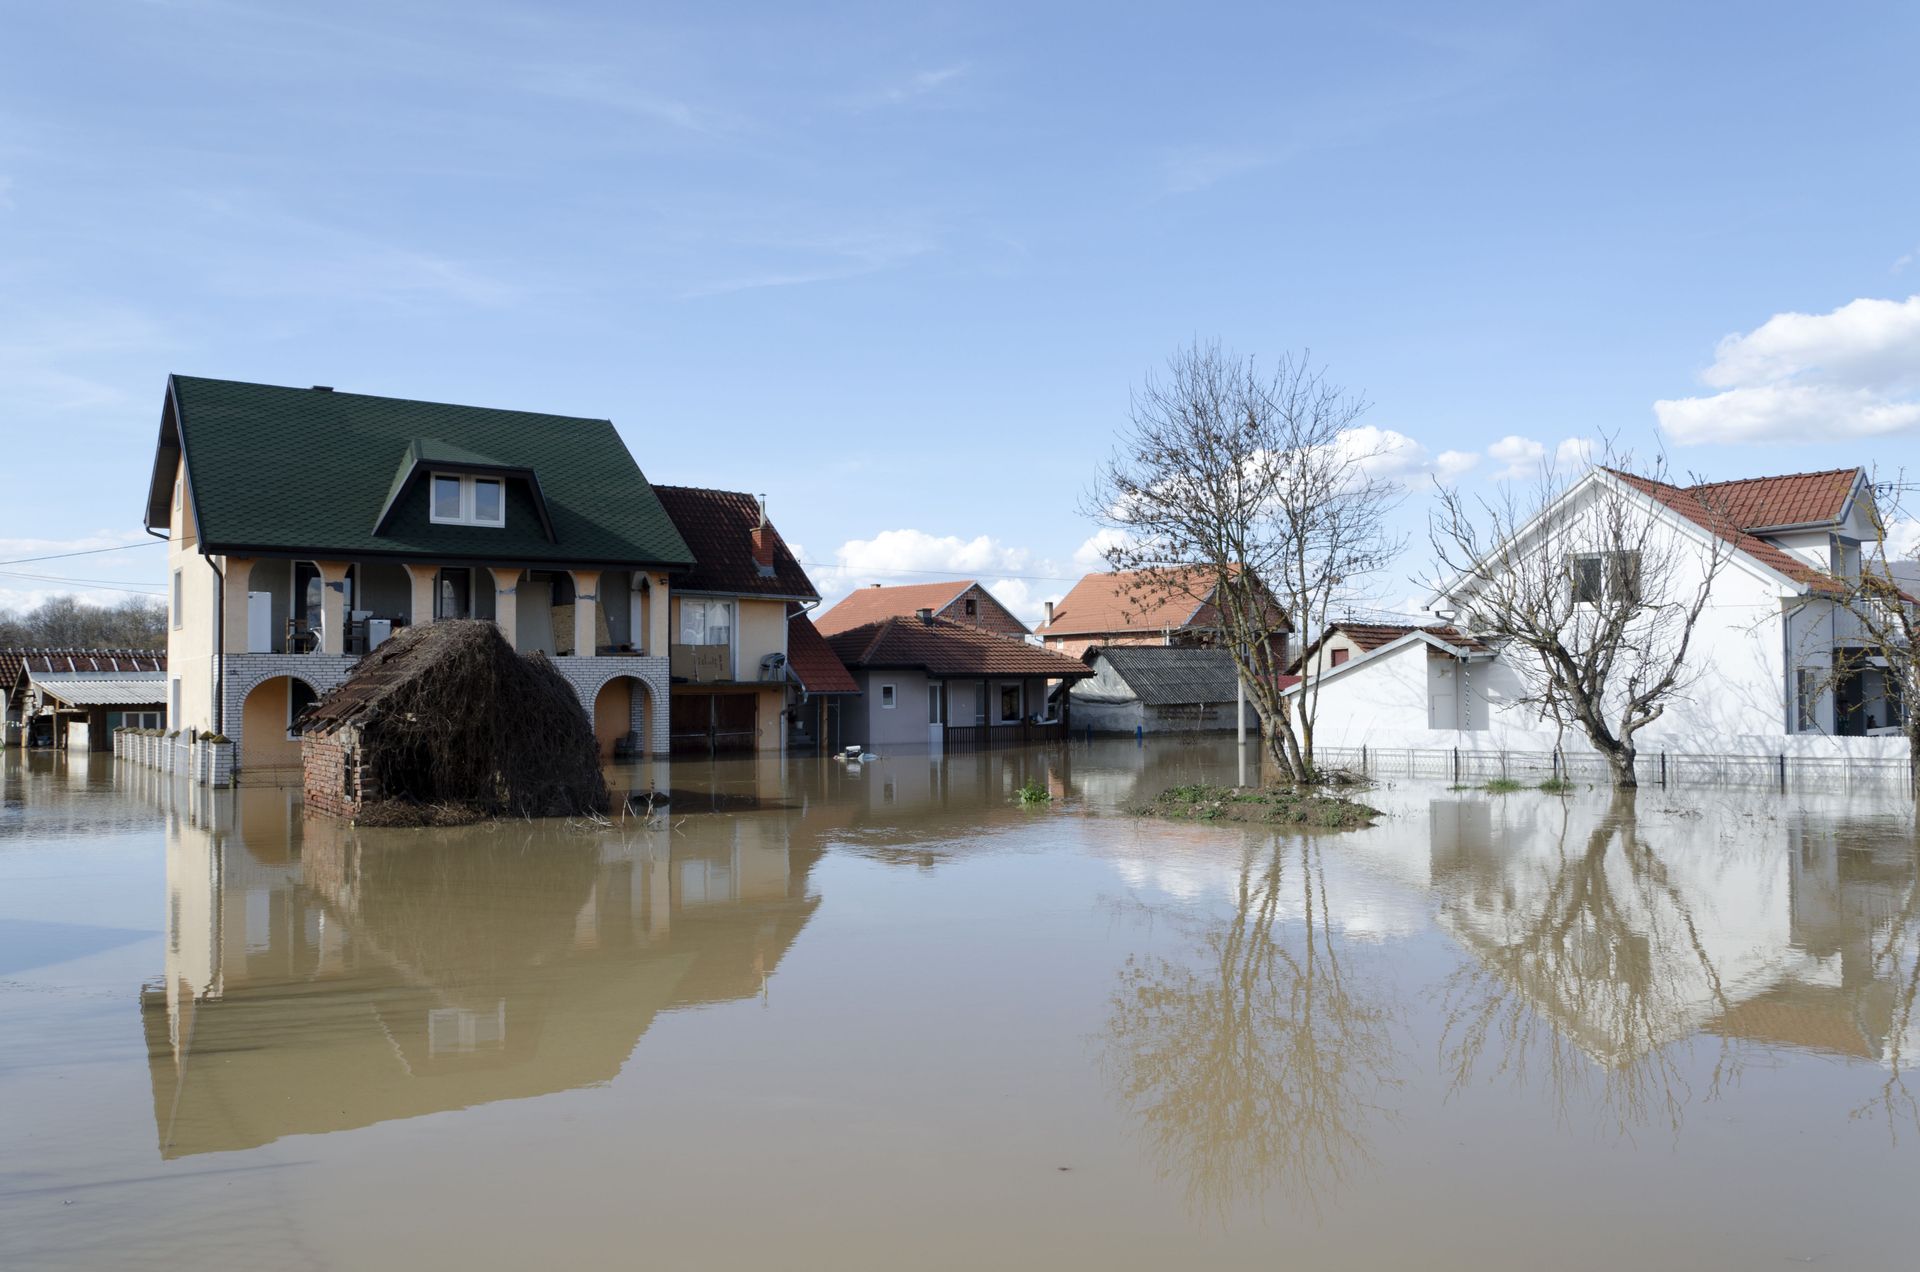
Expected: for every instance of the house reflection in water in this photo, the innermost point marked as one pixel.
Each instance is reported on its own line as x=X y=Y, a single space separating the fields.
x=1617 y=934
x=320 y=978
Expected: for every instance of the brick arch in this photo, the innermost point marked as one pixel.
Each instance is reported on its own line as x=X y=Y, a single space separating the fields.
x=262 y=742
x=638 y=714
x=243 y=686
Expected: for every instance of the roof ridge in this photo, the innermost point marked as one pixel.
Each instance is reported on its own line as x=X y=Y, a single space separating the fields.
x=386 y=397
x=1742 y=481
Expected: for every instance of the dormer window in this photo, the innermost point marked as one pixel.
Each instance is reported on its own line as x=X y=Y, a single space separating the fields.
x=468 y=501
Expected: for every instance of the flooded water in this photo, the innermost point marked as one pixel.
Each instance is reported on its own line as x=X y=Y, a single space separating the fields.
x=881 y=1016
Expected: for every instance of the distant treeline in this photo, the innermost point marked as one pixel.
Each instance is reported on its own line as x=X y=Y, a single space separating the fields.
x=62 y=622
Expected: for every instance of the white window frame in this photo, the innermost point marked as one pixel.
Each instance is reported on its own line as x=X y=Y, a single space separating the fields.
x=889 y=698
x=1001 y=686
x=469 y=514
x=179 y=599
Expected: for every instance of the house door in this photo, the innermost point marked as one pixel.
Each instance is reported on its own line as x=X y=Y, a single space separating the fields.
x=936 y=714
x=713 y=723
x=1443 y=700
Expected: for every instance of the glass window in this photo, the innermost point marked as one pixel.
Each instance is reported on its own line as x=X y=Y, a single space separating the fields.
x=446 y=499
x=1009 y=704
x=1806 y=697
x=487 y=506
x=706 y=622
x=1586 y=580
x=1623 y=576
x=177 y=589
x=886 y=696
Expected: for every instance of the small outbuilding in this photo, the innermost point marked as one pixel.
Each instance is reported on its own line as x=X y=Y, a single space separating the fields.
x=446 y=718
x=1158 y=689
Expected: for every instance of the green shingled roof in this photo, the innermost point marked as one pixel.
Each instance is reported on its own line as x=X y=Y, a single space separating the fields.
x=276 y=469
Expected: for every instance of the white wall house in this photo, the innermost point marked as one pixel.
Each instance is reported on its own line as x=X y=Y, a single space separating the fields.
x=1759 y=669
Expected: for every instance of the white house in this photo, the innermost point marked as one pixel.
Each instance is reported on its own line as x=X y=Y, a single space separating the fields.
x=1760 y=668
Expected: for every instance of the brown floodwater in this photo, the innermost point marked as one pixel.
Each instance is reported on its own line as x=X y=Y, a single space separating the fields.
x=820 y=1015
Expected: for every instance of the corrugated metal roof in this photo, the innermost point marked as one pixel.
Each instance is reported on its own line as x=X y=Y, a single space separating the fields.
x=1163 y=676
x=98 y=689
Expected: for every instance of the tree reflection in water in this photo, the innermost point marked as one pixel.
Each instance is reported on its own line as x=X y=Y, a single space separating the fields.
x=1591 y=974
x=1259 y=1067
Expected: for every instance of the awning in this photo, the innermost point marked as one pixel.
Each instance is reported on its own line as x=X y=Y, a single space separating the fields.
x=101 y=691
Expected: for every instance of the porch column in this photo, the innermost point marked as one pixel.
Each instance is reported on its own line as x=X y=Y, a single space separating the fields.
x=233 y=631
x=506 y=603
x=658 y=633
x=333 y=606
x=423 y=578
x=586 y=608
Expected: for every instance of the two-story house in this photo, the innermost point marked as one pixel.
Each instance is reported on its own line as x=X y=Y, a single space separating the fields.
x=731 y=618
x=963 y=601
x=305 y=525
x=1140 y=607
x=1776 y=664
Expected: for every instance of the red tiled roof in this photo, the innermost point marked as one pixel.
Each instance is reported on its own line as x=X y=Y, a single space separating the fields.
x=1368 y=637
x=718 y=528
x=813 y=661
x=1796 y=499
x=871 y=604
x=95 y=660
x=1724 y=508
x=1139 y=601
x=946 y=648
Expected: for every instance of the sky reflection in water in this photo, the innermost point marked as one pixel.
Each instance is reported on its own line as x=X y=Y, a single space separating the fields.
x=879 y=1015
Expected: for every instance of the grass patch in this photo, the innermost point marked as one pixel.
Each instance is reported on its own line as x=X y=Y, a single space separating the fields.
x=1557 y=786
x=1032 y=793
x=1502 y=786
x=1283 y=805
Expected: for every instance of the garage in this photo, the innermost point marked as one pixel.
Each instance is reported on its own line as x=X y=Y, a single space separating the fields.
x=714 y=723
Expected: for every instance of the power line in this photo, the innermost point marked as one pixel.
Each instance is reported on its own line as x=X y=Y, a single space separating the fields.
x=132 y=589
x=61 y=556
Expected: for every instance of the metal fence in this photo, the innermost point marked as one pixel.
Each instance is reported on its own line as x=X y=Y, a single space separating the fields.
x=1652 y=768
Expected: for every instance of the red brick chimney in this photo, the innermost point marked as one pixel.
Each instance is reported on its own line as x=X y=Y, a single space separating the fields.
x=763 y=541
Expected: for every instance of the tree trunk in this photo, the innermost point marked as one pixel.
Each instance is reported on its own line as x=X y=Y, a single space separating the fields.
x=1620 y=764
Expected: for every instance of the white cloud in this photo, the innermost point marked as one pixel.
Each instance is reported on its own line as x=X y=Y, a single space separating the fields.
x=1573 y=455
x=1854 y=372
x=1521 y=458
x=914 y=556
x=1092 y=555
x=1518 y=457
x=1903 y=539
x=1393 y=456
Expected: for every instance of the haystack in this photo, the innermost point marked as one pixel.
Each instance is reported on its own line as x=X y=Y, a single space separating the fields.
x=446 y=721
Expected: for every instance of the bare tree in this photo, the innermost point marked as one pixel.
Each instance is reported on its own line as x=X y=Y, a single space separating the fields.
x=1870 y=591
x=1254 y=494
x=136 y=622
x=1591 y=589
x=1262 y=1063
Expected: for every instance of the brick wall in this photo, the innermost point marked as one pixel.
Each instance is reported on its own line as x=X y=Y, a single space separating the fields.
x=334 y=780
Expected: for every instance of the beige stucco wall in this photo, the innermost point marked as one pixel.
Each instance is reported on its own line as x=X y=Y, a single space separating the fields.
x=759 y=629
x=263 y=739
x=190 y=630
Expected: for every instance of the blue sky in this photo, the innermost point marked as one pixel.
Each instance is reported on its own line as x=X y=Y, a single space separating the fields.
x=897 y=266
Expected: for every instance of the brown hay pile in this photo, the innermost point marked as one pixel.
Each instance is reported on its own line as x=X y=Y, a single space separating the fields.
x=450 y=717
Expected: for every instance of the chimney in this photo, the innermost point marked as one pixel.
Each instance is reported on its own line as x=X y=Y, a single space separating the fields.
x=1049 y=613
x=924 y=615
